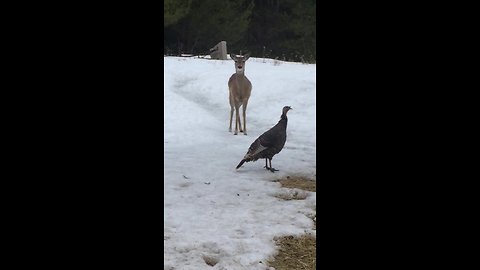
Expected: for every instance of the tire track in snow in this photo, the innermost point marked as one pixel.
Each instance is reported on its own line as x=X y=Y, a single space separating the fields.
x=185 y=88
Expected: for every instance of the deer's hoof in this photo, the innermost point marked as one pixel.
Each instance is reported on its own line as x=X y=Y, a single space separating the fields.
x=235 y=133
x=245 y=133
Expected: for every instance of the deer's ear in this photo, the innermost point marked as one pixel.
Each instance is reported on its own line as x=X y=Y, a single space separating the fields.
x=247 y=56
x=232 y=55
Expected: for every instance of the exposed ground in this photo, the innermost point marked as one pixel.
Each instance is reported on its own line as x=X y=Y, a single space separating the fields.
x=296 y=252
x=299 y=182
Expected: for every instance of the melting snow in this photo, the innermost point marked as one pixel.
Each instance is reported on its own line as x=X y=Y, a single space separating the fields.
x=214 y=213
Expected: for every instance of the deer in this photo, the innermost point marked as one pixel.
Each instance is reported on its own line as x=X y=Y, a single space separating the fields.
x=240 y=88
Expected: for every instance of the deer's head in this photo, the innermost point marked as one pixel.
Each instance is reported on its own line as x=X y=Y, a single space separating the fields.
x=240 y=62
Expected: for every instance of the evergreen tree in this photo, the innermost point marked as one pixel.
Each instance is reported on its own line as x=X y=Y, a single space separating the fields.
x=174 y=10
x=209 y=22
x=283 y=29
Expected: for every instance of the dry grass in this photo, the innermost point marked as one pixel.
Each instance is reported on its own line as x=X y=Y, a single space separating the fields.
x=295 y=253
x=295 y=195
x=299 y=182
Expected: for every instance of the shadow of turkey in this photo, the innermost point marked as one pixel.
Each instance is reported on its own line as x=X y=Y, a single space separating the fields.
x=269 y=143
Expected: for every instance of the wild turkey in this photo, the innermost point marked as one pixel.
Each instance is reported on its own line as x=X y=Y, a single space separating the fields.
x=269 y=143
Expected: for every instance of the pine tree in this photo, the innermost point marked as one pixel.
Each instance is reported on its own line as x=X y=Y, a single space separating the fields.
x=174 y=10
x=209 y=22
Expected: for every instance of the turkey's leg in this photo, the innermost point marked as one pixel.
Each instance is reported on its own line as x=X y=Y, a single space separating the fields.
x=271 y=168
x=266 y=165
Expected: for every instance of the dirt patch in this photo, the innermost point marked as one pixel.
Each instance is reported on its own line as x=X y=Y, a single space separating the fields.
x=210 y=260
x=295 y=253
x=296 y=182
x=291 y=195
x=299 y=182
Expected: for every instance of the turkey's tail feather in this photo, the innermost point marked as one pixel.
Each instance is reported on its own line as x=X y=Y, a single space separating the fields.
x=241 y=163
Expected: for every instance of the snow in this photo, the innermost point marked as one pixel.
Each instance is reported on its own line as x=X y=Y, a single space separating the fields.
x=212 y=210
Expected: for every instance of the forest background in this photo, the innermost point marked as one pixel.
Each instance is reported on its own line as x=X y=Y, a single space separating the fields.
x=277 y=29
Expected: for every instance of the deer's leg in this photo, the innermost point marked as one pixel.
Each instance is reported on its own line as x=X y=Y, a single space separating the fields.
x=231 y=117
x=245 y=117
x=237 y=119
x=231 y=101
x=239 y=122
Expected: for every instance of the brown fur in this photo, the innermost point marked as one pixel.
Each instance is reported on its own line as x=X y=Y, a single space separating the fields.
x=240 y=89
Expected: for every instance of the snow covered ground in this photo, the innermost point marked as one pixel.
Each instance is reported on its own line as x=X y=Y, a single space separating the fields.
x=212 y=211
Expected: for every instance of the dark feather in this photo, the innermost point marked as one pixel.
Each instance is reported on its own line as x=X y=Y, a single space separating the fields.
x=270 y=142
